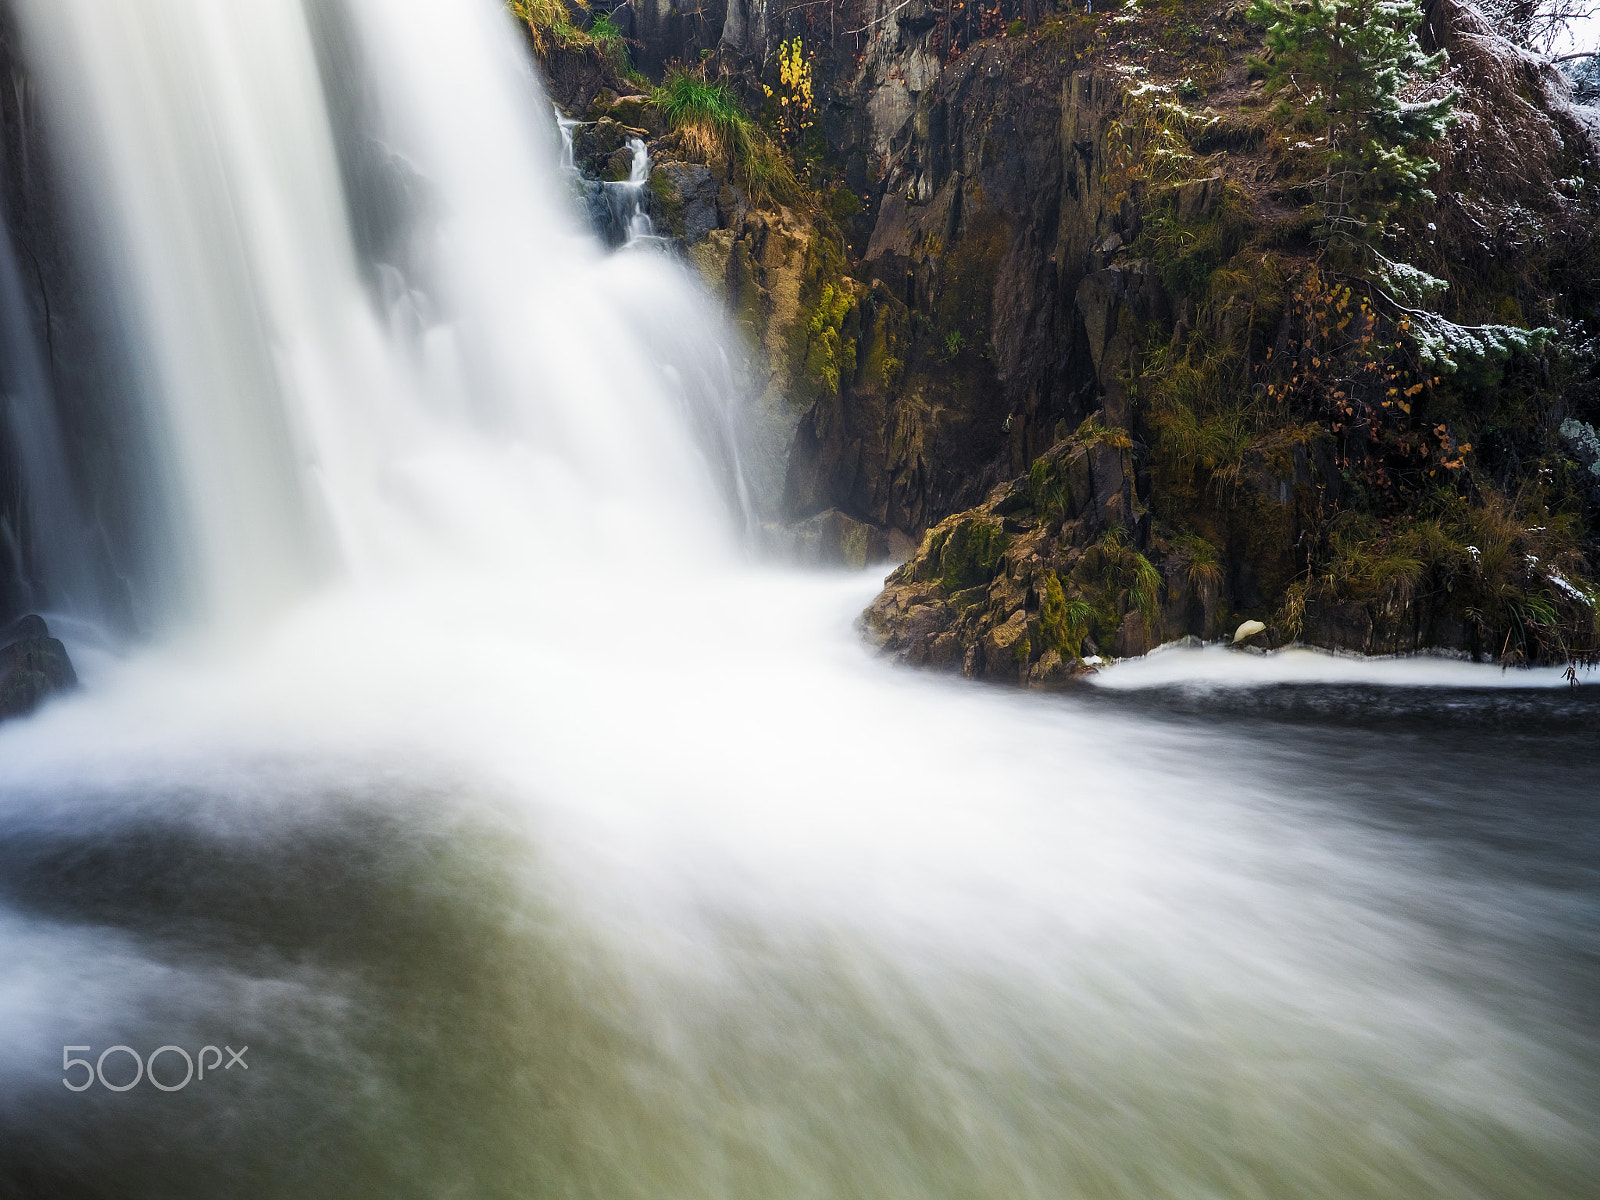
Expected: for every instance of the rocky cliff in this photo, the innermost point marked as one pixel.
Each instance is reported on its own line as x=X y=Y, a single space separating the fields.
x=1058 y=292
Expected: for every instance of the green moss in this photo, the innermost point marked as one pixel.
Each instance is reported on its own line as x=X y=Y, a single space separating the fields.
x=1021 y=650
x=830 y=351
x=670 y=201
x=971 y=553
x=967 y=597
x=1063 y=623
x=1094 y=432
x=843 y=203
x=883 y=343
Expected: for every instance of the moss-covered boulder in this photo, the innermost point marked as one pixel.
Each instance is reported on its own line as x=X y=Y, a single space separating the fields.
x=1044 y=573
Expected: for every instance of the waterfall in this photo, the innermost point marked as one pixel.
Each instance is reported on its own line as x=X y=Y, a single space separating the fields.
x=376 y=335
x=564 y=126
x=628 y=199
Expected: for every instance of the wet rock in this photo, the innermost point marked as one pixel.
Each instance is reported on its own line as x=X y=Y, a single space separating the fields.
x=640 y=112
x=600 y=148
x=834 y=539
x=1007 y=648
x=33 y=666
x=1132 y=638
x=688 y=196
x=1118 y=305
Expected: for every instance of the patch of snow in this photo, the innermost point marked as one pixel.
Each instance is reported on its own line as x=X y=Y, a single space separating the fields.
x=1578 y=594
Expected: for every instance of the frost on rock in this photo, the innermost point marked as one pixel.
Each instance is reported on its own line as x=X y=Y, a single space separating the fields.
x=1584 y=443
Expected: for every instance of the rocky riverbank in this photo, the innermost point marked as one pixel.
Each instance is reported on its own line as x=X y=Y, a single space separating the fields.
x=1058 y=275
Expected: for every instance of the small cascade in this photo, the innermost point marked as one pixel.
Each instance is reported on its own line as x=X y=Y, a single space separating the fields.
x=565 y=125
x=617 y=209
x=626 y=202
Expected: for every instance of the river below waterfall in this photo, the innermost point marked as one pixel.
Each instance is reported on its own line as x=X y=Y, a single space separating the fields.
x=743 y=911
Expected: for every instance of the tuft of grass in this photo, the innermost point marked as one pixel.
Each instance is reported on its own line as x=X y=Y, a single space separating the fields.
x=1094 y=432
x=1122 y=568
x=1524 y=584
x=550 y=24
x=1187 y=253
x=609 y=43
x=1205 y=564
x=714 y=125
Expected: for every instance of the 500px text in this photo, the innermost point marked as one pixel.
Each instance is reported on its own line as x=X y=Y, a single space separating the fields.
x=145 y=1067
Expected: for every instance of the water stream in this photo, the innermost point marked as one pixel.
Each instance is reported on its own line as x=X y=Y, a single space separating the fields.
x=537 y=844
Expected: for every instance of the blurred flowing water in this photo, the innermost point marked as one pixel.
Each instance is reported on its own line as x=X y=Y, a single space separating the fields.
x=536 y=844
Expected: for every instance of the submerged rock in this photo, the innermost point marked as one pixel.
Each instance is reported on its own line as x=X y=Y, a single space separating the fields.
x=831 y=539
x=33 y=666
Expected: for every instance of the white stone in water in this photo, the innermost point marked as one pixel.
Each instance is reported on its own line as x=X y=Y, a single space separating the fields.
x=1247 y=630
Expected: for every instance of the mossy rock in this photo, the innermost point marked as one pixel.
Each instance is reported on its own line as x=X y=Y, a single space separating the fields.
x=640 y=112
x=971 y=552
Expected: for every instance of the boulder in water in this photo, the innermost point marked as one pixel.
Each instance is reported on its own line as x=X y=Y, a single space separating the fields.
x=33 y=666
x=832 y=539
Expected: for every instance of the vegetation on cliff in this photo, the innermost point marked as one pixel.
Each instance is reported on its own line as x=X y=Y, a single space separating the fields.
x=715 y=127
x=1321 y=316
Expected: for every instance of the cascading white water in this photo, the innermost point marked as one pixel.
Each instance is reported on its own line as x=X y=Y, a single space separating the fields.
x=564 y=127
x=538 y=409
x=537 y=847
x=640 y=230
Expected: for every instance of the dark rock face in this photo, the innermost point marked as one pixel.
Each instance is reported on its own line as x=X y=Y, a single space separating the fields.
x=1001 y=287
x=975 y=261
x=33 y=667
x=688 y=193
